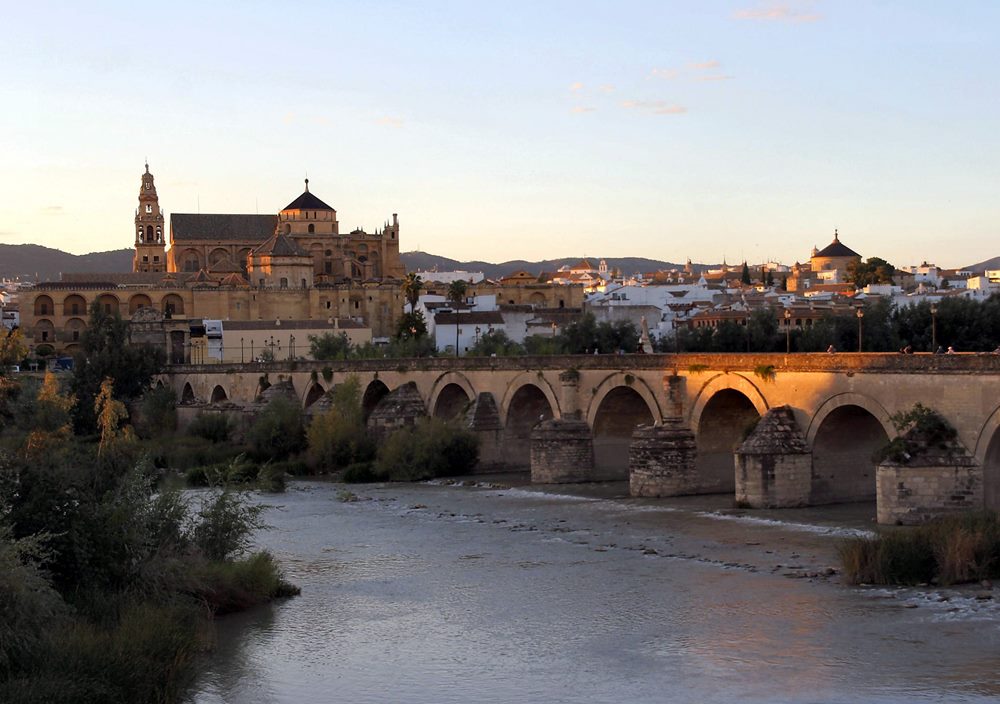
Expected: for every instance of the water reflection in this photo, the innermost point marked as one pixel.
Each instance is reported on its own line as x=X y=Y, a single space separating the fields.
x=499 y=596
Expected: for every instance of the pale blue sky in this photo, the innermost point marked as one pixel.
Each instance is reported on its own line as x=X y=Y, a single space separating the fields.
x=518 y=129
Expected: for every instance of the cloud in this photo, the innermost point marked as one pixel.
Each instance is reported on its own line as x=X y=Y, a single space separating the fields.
x=666 y=73
x=705 y=65
x=52 y=209
x=394 y=122
x=580 y=109
x=656 y=107
x=576 y=87
x=779 y=12
x=715 y=77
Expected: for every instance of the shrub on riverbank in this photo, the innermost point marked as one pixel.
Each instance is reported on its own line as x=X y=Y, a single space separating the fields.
x=950 y=550
x=277 y=433
x=430 y=448
x=337 y=438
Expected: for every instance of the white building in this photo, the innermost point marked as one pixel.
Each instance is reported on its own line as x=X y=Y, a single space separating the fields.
x=449 y=277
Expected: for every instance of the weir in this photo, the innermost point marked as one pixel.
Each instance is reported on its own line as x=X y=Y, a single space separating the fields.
x=594 y=417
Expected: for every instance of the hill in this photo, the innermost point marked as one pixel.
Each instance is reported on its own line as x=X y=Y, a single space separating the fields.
x=422 y=261
x=979 y=268
x=34 y=262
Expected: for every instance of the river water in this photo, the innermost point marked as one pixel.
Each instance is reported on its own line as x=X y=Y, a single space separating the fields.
x=486 y=592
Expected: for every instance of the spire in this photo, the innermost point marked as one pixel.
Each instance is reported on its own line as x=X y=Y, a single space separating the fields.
x=307 y=185
x=836 y=237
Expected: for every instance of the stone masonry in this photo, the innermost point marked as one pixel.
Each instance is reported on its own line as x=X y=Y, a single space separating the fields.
x=661 y=460
x=774 y=465
x=562 y=452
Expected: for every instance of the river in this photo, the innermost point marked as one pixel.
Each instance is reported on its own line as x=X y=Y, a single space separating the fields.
x=490 y=592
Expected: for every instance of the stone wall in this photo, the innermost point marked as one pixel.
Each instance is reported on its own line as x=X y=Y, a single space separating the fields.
x=562 y=451
x=661 y=460
x=774 y=465
x=914 y=495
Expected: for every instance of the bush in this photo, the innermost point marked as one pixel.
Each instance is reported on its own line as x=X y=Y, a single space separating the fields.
x=277 y=434
x=183 y=453
x=949 y=550
x=158 y=412
x=431 y=448
x=337 y=438
x=234 y=586
x=360 y=473
x=214 y=427
x=225 y=523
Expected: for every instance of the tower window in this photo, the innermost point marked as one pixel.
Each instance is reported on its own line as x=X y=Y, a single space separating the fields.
x=312 y=228
x=149 y=208
x=284 y=282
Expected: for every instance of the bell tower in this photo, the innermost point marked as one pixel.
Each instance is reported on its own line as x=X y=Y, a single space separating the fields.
x=149 y=244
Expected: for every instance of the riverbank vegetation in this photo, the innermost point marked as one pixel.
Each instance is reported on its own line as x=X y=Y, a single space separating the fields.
x=109 y=578
x=951 y=550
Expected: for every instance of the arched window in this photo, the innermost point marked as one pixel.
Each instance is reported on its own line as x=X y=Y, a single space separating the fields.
x=312 y=228
x=149 y=232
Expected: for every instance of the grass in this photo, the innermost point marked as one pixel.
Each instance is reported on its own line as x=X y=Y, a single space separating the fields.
x=950 y=550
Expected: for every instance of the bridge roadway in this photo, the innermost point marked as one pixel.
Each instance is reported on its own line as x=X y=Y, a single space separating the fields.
x=842 y=402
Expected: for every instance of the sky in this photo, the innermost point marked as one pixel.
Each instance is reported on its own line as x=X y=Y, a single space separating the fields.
x=739 y=129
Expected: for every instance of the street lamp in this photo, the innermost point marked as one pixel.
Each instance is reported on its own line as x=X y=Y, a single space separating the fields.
x=788 y=331
x=934 y=327
x=861 y=315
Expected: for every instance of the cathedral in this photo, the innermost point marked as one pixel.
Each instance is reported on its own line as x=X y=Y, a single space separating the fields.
x=269 y=274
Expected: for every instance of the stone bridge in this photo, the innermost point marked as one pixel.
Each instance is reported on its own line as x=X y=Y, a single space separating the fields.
x=840 y=403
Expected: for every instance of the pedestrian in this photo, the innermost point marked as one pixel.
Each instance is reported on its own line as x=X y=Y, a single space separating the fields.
x=831 y=349
x=951 y=350
x=940 y=350
x=907 y=350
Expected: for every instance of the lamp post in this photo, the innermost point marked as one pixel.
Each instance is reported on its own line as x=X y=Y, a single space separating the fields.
x=788 y=331
x=933 y=327
x=291 y=347
x=861 y=315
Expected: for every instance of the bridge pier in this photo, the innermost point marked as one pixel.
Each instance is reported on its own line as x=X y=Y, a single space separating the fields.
x=774 y=465
x=562 y=452
x=483 y=419
x=662 y=460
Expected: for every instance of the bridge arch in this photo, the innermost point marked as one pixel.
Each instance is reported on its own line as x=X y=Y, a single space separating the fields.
x=722 y=382
x=726 y=407
x=187 y=393
x=622 y=380
x=374 y=392
x=451 y=393
x=613 y=417
x=844 y=434
x=537 y=380
x=988 y=454
x=525 y=405
x=219 y=394
x=313 y=394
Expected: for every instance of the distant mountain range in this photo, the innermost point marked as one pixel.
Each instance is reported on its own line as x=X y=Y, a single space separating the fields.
x=34 y=262
x=422 y=261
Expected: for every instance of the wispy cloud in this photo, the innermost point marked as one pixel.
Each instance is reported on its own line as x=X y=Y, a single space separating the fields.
x=779 y=12
x=580 y=109
x=705 y=65
x=656 y=107
x=576 y=87
x=387 y=121
x=666 y=73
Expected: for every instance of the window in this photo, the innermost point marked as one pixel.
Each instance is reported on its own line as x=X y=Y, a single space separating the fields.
x=303 y=283
x=76 y=309
x=45 y=335
x=284 y=282
x=328 y=305
x=156 y=258
x=149 y=208
x=107 y=307
x=328 y=267
x=76 y=335
x=145 y=259
x=312 y=228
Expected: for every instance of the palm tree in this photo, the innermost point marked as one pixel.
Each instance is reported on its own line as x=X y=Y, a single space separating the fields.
x=456 y=294
x=412 y=285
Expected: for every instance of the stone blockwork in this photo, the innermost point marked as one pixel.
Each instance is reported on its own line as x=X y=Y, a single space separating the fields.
x=562 y=451
x=934 y=479
x=774 y=465
x=483 y=419
x=400 y=408
x=661 y=460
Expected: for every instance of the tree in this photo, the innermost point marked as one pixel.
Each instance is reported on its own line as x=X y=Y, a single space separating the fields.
x=12 y=348
x=456 y=292
x=329 y=346
x=496 y=342
x=411 y=326
x=412 y=285
x=875 y=271
x=745 y=276
x=107 y=353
